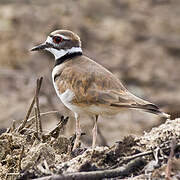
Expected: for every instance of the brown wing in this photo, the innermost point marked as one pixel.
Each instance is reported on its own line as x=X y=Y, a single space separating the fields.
x=93 y=84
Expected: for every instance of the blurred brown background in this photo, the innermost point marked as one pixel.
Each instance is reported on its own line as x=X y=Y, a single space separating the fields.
x=138 y=40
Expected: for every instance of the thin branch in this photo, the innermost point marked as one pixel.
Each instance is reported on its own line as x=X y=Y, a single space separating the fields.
x=20 y=158
x=55 y=132
x=129 y=158
x=120 y=171
x=27 y=116
x=37 y=127
x=30 y=121
x=39 y=82
x=13 y=127
x=22 y=125
x=42 y=114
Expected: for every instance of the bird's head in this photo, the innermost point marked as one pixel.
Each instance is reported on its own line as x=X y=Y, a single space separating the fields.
x=60 y=42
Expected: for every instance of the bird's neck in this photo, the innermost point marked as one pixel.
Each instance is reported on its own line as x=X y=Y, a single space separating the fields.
x=63 y=55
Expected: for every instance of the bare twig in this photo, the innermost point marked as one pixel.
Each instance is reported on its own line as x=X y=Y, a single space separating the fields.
x=22 y=125
x=13 y=127
x=37 y=127
x=39 y=121
x=55 y=132
x=39 y=82
x=42 y=114
x=20 y=158
x=129 y=158
x=120 y=171
x=29 y=131
x=8 y=130
x=32 y=119
x=27 y=116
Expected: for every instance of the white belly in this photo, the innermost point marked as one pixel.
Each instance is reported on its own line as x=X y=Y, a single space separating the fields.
x=66 y=97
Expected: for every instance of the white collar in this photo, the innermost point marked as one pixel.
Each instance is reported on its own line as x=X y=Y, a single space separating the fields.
x=60 y=53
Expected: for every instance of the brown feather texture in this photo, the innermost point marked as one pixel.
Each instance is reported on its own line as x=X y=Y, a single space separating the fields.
x=92 y=84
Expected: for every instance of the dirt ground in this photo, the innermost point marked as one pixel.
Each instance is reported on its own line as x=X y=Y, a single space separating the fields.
x=135 y=39
x=30 y=153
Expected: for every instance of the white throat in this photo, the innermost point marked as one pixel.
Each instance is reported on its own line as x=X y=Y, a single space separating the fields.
x=60 y=53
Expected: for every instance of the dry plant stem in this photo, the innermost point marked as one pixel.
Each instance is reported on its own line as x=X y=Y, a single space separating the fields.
x=31 y=120
x=120 y=171
x=60 y=125
x=27 y=116
x=13 y=127
x=37 y=127
x=42 y=114
x=29 y=131
x=20 y=158
x=8 y=130
x=39 y=122
x=22 y=125
x=129 y=158
x=39 y=81
x=169 y=163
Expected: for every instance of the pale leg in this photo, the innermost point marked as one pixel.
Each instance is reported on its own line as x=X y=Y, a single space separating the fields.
x=94 y=132
x=78 y=132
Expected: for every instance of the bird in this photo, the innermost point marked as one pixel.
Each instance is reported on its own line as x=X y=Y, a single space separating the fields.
x=86 y=87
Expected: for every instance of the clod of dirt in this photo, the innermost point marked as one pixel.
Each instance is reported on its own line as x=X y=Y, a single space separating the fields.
x=161 y=136
x=60 y=145
x=37 y=154
x=124 y=147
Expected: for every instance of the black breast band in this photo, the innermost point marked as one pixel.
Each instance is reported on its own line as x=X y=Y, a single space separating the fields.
x=67 y=56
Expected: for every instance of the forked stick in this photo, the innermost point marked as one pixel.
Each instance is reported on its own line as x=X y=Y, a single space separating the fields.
x=38 y=86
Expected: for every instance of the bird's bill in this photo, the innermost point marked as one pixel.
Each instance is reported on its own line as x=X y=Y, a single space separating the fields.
x=40 y=47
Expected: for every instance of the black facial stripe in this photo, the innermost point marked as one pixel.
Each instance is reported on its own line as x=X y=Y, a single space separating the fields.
x=52 y=46
x=66 y=57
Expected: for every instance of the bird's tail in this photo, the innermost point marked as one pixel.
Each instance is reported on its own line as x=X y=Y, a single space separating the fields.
x=151 y=108
x=133 y=102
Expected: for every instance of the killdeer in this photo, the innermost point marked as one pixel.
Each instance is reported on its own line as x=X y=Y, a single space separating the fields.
x=85 y=86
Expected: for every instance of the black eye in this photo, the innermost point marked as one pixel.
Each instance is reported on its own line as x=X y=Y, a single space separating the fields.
x=57 y=39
